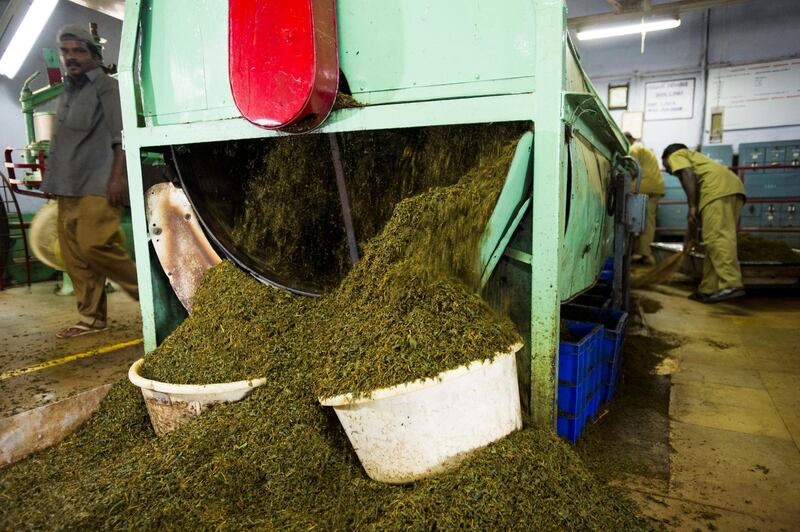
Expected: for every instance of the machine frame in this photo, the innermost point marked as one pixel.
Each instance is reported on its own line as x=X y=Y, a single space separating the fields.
x=576 y=114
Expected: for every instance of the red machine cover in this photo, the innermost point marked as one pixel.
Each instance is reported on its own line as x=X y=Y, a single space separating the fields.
x=283 y=61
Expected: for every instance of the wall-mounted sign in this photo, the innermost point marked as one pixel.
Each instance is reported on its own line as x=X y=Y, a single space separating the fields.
x=632 y=123
x=756 y=96
x=669 y=100
x=618 y=97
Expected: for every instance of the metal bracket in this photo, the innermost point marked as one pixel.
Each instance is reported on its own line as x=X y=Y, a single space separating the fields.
x=635 y=212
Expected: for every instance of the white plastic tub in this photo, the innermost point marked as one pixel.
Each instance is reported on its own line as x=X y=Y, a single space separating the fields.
x=170 y=405
x=418 y=429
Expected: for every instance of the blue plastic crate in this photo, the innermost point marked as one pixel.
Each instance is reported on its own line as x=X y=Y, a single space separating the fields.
x=596 y=397
x=573 y=399
x=576 y=358
x=607 y=371
x=597 y=376
x=607 y=390
x=601 y=290
x=608 y=264
x=610 y=370
x=593 y=300
x=610 y=376
x=615 y=325
x=594 y=403
x=571 y=428
x=606 y=276
x=610 y=379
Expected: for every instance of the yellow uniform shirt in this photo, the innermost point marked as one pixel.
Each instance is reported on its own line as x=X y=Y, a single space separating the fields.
x=714 y=181
x=652 y=180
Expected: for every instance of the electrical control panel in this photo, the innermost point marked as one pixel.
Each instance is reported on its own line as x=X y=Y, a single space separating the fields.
x=723 y=154
x=771 y=183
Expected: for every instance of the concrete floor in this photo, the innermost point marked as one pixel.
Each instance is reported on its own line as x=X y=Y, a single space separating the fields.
x=29 y=320
x=734 y=414
x=725 y=456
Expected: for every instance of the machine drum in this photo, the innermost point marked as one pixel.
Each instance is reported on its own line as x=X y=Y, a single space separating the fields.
x=272 y=205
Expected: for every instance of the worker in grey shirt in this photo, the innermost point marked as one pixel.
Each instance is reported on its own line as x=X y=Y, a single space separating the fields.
x=86 y=173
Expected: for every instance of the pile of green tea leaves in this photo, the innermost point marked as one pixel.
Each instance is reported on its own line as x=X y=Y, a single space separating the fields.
x=753 y=248
x=290 y=221
x=279 y=460
x=407 y=310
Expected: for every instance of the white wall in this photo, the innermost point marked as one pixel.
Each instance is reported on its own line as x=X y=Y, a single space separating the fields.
x=658 y=134
x=12 y=123
x=744 y=33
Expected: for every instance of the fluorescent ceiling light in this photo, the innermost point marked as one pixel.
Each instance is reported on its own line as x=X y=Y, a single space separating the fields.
x=628 y=29
x=26 y=35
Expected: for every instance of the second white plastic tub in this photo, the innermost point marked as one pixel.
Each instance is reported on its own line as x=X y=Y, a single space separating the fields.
x=418 y=429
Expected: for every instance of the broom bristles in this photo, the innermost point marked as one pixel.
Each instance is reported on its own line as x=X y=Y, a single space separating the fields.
x=660 y=273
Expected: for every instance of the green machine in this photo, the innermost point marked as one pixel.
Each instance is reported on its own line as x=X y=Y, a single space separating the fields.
x=38 y=126
x=408 y=64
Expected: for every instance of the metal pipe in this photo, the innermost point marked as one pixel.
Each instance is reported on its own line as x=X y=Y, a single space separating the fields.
x=25 y=97
x=345 y=201
x=704 y=69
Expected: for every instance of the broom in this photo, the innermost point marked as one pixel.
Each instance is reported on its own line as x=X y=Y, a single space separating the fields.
x=660 y=273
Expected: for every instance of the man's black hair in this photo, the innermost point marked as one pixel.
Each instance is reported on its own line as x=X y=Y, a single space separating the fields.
x=672 y=148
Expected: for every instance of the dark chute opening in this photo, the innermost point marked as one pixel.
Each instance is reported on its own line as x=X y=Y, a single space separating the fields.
x=272 y=206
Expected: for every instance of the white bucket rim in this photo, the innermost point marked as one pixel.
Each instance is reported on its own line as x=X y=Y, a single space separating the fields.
x=188 y=389
x=350 y=399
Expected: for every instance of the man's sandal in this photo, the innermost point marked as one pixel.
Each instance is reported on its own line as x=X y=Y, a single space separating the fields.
x=81 y=328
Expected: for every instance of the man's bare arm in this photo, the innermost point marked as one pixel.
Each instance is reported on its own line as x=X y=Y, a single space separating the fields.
x=689 y=184
x=118 y=181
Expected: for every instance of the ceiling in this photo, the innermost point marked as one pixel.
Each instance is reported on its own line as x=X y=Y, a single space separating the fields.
x=12 y=11
x=113 y=8
x=591 y=12
x=621 y=6
x=582 y=12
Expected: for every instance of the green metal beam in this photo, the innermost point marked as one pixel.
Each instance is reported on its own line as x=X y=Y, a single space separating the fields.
x=141 y=238
x=502 y=247
x=517 y=255
x=507 y=211
x=32 y=99
x=549 y=170
x=419 y=114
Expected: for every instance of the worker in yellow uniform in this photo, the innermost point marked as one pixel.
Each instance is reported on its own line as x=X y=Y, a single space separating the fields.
x=716 y=196
x=652 y=184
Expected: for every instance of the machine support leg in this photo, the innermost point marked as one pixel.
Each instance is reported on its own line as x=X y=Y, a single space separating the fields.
x=548 y=210
x=622 y=245
x=141 y=245
x=141 y=241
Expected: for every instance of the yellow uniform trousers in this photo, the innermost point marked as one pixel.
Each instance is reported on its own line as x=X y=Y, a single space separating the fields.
x=721 y=266
x=87 y=226
x=645 y=238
